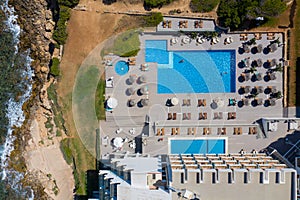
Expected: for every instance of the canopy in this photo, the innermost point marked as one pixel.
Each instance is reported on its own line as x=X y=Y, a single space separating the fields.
x=199 y=40
x=272 y=76
x=259 y=48
x=112 y=102
x=259 y=62
x=246 y=48
x=186 y=40
x=273 y=47
x=247 y=89
x=174 y=40
x=273 y=62
x=260 y=89
x=258 y=76
x=174 y=101
x=246 y=102
x=118 y=142
x=144 y=90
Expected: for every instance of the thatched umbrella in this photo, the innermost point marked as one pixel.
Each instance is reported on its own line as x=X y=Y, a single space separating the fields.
x=274 y=89
x=259 y=62
x=247 y=89
x=142 y=79
x=130 y=91
x=273 y=47
x=246 y=48
x=259 y=48
x=247 y=76
x=259 y=101
x=273 y=62
x=131 y=102
x=145 y=102
x=246 y=102
x=254 y=90
x=272 y=102
x=272 y=76
x=258 y=76
x=260 y=89
x=132 y=79
x=144 y=90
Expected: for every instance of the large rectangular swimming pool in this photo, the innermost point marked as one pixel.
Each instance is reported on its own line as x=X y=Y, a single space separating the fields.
x=192 y=71
x=197 y=146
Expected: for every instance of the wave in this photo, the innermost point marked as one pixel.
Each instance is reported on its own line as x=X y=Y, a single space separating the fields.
x=14 y=111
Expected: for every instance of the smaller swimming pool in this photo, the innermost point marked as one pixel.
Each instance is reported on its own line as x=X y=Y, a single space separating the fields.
x=121 y=68
x=197 y=146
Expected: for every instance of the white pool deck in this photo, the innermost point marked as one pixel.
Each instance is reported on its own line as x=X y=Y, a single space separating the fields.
x=156 y=113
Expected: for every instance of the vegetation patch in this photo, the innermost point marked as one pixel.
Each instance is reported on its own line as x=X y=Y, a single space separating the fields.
x=203 y=5
x=127 y=43
x=67 y=152
x=99 y=100
x=153 y=19
x=54 y=69
x=236 y=14
x=60 y=32
x=156 y=3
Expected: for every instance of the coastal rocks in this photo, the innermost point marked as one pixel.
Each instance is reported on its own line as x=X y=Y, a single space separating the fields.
x=48 y=14
x=49 y=25
x=44 y=69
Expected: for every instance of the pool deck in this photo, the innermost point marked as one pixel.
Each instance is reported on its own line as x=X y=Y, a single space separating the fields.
x=146 y=120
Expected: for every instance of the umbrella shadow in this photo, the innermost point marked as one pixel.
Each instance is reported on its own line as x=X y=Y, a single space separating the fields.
x=241 y=79
x=254 y=50
x=241 y=50
x=253 y=78
x=241 y=91
x=266 y=65
x=266 y=50
x=240 y=104
x=266 y=78
x=268 y=91
x=241 y=64
x=128 y=82
x=254 y=103
x=138 y=92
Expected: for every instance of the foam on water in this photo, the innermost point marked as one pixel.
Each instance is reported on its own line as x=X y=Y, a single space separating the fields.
x=14 y=109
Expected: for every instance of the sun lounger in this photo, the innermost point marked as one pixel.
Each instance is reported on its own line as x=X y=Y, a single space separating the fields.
x=164 y=24
x=189 y=116
x=169 y=24
x=186 y=24
x=158 y=132
x=229 y=116
x=184 y=102
x=204 y=102
x=216 y=116
x=162 y=131
x=184 y=117
x=223 y=131
x=188 y=102
x=200 y=24
x=174 y=116
x=189 y=132
x=170 y=116
x=199 y=102
x=173 y=131
x=200 y=116
x=219 y=131
x=205 y=115
x=220 y=116
x=235 y=131
x=196 y=24
x=177 y=131
x=194 y=131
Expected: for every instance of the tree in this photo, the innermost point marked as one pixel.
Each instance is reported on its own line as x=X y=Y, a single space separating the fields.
x=153 y=19
x=203 y=5
x=156 y=3
x=272 y=8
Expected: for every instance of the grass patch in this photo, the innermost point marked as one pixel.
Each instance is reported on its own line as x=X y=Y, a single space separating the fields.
x=271 y=22
x=54 y=69
x=99 y=100
x=52 y=96
x=67 y=152
x=127 y=42
x=153 y=19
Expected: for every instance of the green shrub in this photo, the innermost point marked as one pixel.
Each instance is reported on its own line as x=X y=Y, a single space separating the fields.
x=203 y=5
x=153 y=19
x=68 y=3
x=60 y=32
x=54 y=69
x=67 y=152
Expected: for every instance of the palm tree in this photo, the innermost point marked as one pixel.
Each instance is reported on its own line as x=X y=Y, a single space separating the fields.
x=278 y=68
x=252 y=70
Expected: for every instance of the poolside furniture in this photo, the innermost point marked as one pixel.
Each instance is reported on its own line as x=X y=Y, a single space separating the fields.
x=184 y=102
x=200 y=116
x=216 y=116
x=188 y=102
x=173 y=131
x=200 y=24
x=257 y=36
x=162 y=131
x=252 y=130
x=229 y=116
x=169 y=24
x=164 y=24
x=194 y=131
x=174 y=116
x=220 y=115
x=189 y=132
x=177 y=131
x=196 y=24
x=205 y=115
x=109 y=83
x=144 y=67
x=199 y=102
x=189 y=116
x=170 y=116
x=184 y=116
x=186 y=24
x=158 y=132
x=206 y=131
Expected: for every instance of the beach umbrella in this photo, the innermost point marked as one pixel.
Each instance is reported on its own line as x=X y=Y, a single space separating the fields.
x=145 y=102
x=174 y=101
x=118 y=142
x=260 y=89
x=199 y=40
x=273 y=62
x=259 y=48
x=246 y=102
x=272 y=102
x=259 y=101
x=173 y=40
x=258 y=76
x=142 y=79
x=247 y=76
x=259 y=62
x=273 y=47
x=247 y=89
x=246 y=62
x=246 y=48
x=144 y=90
x=112 y=102
x=131 y=102
x=272 y=76
x=274 y=89
x=132 y=79
x=130 y=91
x=186 y=40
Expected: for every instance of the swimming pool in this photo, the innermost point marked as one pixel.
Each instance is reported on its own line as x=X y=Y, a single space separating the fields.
x=211 y=71
x=121 y=68
x=197 y=146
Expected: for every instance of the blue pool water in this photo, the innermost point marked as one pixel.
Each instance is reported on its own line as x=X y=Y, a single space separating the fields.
x=121 y=68
x=192 y=71
x=197 y=146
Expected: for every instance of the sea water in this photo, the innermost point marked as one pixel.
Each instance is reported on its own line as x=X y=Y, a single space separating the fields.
x=15 y=88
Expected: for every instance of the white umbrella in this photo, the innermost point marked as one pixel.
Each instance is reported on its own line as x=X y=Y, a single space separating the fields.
x=145 y=102
x=144 y=90
x=199 y=40
x=118 y=142
x=186 y=40
x=173 y=40
x=130 y=91
x=131 y=102
x=174 y=101
x=132 y=79
x=142 y=79
x=112 y=102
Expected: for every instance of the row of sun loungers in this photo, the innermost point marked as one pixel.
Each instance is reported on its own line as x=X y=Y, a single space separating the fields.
x=198 y=24
x=172 y=116
x=186 y=116
x=183 y=24
x=167 y=24
x=201 y=102
x=231 y=115
x=257 y=36
x=244 y=36
x=202 y=116
x=208 y=131
x=186 y=102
